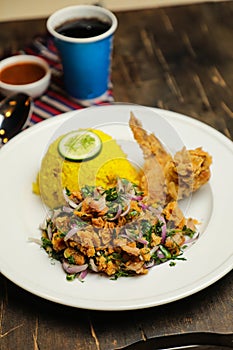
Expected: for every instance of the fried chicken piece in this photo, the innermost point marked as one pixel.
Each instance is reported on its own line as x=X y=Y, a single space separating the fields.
x=153 y=180
x=136 y=266
x=165 y=178
x=189 y=170
x=149 y=143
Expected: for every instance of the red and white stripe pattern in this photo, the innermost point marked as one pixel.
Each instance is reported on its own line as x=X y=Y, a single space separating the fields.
x=55 y=100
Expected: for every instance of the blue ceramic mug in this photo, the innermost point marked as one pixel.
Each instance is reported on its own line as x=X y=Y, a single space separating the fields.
x=86 y=60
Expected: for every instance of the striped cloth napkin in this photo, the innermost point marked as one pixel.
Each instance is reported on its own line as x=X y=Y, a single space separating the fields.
x=55 y=100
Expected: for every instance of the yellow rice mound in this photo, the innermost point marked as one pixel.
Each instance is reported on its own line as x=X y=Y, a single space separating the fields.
x=56 y=173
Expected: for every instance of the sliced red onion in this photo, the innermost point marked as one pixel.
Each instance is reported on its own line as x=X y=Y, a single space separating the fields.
x=160 y=255
x=71 y=269
x=34 y=240
x=49 y=232
x=154 y=249
x=143 y=206
x=156 y=211
x=149 y=264
x=83 y=275
x=134 y=197
x=120 y=187
x=56 y=212
x=126 y=210
x=71 y=233
x=117 y=214
x=75 y=225
x=143 y=241
x=99 y=204
x=93 y=266
x=163 y=228
x=67 y=209
x=43 y=226
x=129 y=189
x=71 y=203
x=129 y=235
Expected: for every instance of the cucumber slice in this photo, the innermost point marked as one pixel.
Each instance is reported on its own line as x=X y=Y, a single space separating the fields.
x=80 y=145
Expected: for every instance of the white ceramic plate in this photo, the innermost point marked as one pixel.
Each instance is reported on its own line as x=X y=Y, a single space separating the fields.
x=27 y=265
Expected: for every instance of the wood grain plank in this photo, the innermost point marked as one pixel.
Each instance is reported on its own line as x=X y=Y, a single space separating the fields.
x=176 y=58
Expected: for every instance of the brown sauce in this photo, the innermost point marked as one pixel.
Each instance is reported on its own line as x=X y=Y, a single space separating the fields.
x=22 y=73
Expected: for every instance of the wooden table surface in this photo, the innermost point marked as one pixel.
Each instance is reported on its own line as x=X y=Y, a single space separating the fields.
x=176 y=58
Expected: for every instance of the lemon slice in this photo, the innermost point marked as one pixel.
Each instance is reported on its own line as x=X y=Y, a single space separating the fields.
x=80 y=145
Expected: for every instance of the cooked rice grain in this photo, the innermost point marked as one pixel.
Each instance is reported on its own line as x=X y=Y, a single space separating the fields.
x=56 y=173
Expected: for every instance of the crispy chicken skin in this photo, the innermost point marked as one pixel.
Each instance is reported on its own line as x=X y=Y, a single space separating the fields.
x=165 y=178
x=149 y=143
x=189 y=170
